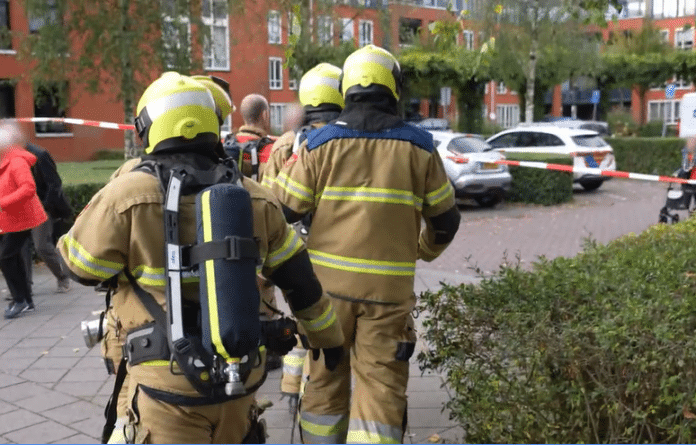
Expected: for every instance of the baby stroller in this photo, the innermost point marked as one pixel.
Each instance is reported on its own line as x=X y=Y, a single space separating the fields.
x=681 y=196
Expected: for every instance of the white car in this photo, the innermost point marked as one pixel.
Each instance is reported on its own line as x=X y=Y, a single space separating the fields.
x=470 y=164
x=586 y=148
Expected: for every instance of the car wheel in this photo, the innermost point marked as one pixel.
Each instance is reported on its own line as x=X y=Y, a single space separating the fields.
x=591 y=185
x=488 y=201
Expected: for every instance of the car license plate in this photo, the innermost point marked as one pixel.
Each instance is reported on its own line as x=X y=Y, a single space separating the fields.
x=490 y=166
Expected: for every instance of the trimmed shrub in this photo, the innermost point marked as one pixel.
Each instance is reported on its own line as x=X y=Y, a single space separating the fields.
x=599 y=348
x=621 y=123
x=655 y=156
x=537 y=186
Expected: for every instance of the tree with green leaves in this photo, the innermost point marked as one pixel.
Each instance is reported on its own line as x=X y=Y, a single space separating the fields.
x=641 y=60
x=117 y=46
x=537 y=34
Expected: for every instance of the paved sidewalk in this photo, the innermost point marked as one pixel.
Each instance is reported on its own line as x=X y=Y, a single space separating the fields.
x=53 y=389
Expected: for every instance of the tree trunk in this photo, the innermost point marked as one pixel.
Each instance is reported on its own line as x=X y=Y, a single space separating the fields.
x=531 y=73
x=127 y=86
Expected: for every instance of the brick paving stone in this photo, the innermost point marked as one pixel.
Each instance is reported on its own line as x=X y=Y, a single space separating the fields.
x=73 y=412
x=78 y=389
x=45 y=376
x=6 y=407
x=21 y=391
x=18 y=419
x=9 y=380
x=78 y=438
x=45 y=401
x=45 y=432
x=92 y=426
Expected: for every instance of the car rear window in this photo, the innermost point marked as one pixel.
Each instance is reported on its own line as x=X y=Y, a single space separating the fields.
x=468 y=145
x=590 y=140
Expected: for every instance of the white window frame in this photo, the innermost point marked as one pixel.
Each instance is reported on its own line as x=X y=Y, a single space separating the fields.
x=294 y=26
x=182 y=20
x=500 y=88
x=347 y=30
x=292 y=81
x=664 y=110
x=277 y=116
x=468 y=41
x=209 y=48
x=664 y=33
x=507 y=115
x=679 y=42
x=363 y=27
x=275 y=23
x=324 y=24
x=275 y=66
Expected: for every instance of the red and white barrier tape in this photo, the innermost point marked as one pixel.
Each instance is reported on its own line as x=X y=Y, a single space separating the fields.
x=68 y=120
x=587 y=170
x=529 y=164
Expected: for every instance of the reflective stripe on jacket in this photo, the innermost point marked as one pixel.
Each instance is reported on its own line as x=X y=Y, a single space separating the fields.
x=368 y=192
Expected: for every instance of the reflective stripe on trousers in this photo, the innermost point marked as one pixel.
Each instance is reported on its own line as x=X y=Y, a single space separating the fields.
x=366 y=431
x=293 y=361
x=323 y=429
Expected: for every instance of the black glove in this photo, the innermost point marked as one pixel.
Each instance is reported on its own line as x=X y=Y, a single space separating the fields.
x=279 y=335
x=332 y=356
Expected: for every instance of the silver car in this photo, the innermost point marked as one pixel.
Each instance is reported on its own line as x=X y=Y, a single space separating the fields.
x=470 y=165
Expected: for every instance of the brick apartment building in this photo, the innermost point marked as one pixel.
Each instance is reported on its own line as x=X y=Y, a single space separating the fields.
x=248 y=51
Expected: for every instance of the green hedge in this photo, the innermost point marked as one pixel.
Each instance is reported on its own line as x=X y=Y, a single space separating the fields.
x=655 y=156
x=599 y=348
x=537 y=186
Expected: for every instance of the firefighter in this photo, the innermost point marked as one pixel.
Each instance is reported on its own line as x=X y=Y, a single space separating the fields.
x=112 y=342
x=370 y=179
x=322 y=102
x=178 y=123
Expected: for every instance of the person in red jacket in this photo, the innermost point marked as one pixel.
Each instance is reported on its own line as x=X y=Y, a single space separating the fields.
x=20 y=211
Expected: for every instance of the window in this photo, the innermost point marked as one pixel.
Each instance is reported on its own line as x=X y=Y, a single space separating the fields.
x=294 y=75
x=294 y=27
x=5 y=40
x=277 y=117
x=47 y=13
x=47 y=103
x=347 y=32
x=501 y=88
x=409 y=31
x=365 y=37
x=547 y=140
x=275 y=73
x=507 y=115
x=7 y=99
x=681 y=84
x=324 y=30
x=216 y=46
x=663 y=110
x=684 y=38
x=468 y=39
x=504 y=141
x=664 y=35
x=176 y=36
x=274 y=35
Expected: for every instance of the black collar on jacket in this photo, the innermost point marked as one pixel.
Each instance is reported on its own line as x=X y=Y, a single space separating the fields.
x=369 y=112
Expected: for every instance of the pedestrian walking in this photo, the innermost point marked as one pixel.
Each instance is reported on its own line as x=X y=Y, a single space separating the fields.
x=20 y=211
x=49 y=188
